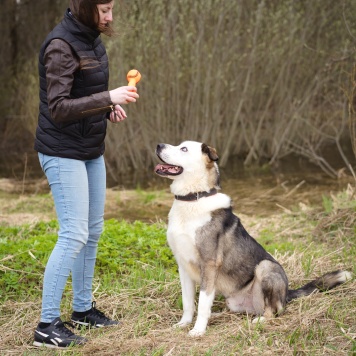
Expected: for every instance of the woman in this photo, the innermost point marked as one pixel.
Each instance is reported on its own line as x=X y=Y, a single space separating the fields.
x=75 y=105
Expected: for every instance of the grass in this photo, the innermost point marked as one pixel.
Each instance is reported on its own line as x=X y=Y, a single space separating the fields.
x=137 y=282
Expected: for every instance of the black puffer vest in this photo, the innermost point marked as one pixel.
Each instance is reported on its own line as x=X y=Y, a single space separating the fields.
x=78 y=139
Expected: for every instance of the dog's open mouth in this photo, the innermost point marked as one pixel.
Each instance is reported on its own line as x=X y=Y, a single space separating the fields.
x=168 y=170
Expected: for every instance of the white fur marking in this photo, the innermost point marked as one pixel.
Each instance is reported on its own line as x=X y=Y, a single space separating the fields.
x=345 y=276
x=258 y=320
x=204 y=312
x=188 y=294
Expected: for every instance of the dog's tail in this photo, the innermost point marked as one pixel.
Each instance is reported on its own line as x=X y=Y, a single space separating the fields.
x=326 y=282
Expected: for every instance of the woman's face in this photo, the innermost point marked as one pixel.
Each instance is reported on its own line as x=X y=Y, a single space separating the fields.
x=105 y=14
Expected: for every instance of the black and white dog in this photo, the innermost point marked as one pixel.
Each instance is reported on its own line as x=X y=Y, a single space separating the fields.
x=213 y=249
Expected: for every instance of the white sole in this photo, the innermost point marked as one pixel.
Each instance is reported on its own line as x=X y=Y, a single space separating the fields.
x=43 y=344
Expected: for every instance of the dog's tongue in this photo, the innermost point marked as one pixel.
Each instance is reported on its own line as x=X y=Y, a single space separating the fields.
x=167 y=168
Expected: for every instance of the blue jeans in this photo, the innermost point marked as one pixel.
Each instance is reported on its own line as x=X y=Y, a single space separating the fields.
x=78 y=189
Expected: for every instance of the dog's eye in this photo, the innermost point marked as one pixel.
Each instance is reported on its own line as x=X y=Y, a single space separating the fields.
x=184 y=149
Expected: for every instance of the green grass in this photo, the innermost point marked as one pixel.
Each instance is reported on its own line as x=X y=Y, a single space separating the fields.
x=124 y=248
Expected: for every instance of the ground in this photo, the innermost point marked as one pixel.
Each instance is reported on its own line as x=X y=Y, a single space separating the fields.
x=148 y=304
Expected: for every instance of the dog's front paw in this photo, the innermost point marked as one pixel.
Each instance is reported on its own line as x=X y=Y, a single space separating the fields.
x=185 y=320
x=196 y=333
x=181 y=324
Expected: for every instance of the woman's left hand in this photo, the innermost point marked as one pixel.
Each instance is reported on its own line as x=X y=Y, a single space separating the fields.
x=118 y=114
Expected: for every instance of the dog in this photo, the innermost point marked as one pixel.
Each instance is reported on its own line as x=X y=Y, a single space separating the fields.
x=213 y=249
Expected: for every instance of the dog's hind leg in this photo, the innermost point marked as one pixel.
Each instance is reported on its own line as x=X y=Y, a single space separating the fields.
x=188 y=297
x=270 y=290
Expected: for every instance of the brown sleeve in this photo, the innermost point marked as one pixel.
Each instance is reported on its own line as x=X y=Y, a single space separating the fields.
x=61 y=63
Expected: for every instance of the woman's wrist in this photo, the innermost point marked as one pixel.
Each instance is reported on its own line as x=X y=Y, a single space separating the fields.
x=111 y=97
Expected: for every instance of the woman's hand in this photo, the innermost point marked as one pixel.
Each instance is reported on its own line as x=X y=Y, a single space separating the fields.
x=118 y=114
x=124 y=95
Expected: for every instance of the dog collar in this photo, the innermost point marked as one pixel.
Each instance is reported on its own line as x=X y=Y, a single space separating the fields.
x=196 y=196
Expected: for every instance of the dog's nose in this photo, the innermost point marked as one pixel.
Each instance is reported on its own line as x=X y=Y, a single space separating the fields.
x=160 y=147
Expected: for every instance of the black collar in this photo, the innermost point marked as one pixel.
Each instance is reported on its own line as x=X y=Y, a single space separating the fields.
x=196 y=196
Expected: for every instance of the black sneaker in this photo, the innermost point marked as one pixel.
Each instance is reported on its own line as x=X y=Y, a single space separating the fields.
x=93 y=318
x=56 y=335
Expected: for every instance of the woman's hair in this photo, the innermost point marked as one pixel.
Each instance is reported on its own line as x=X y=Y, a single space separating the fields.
x=86 y=12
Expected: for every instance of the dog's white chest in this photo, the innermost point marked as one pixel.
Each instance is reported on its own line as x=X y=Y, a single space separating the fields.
x=182 y=227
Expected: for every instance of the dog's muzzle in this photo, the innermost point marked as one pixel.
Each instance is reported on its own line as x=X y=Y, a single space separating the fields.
x=166 y=169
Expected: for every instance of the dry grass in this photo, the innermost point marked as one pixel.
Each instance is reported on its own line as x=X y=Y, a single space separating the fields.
x=321 y=324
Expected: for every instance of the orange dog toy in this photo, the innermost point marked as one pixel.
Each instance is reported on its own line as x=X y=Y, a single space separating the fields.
x=133 y=77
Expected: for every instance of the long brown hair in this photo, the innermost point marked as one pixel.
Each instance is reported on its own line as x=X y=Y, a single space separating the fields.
x=86 y=12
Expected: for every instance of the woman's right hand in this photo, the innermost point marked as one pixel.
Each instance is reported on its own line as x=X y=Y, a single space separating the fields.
x=124 y=95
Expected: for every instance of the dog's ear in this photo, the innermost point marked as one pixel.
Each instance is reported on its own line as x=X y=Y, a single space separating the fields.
x=211 y=152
